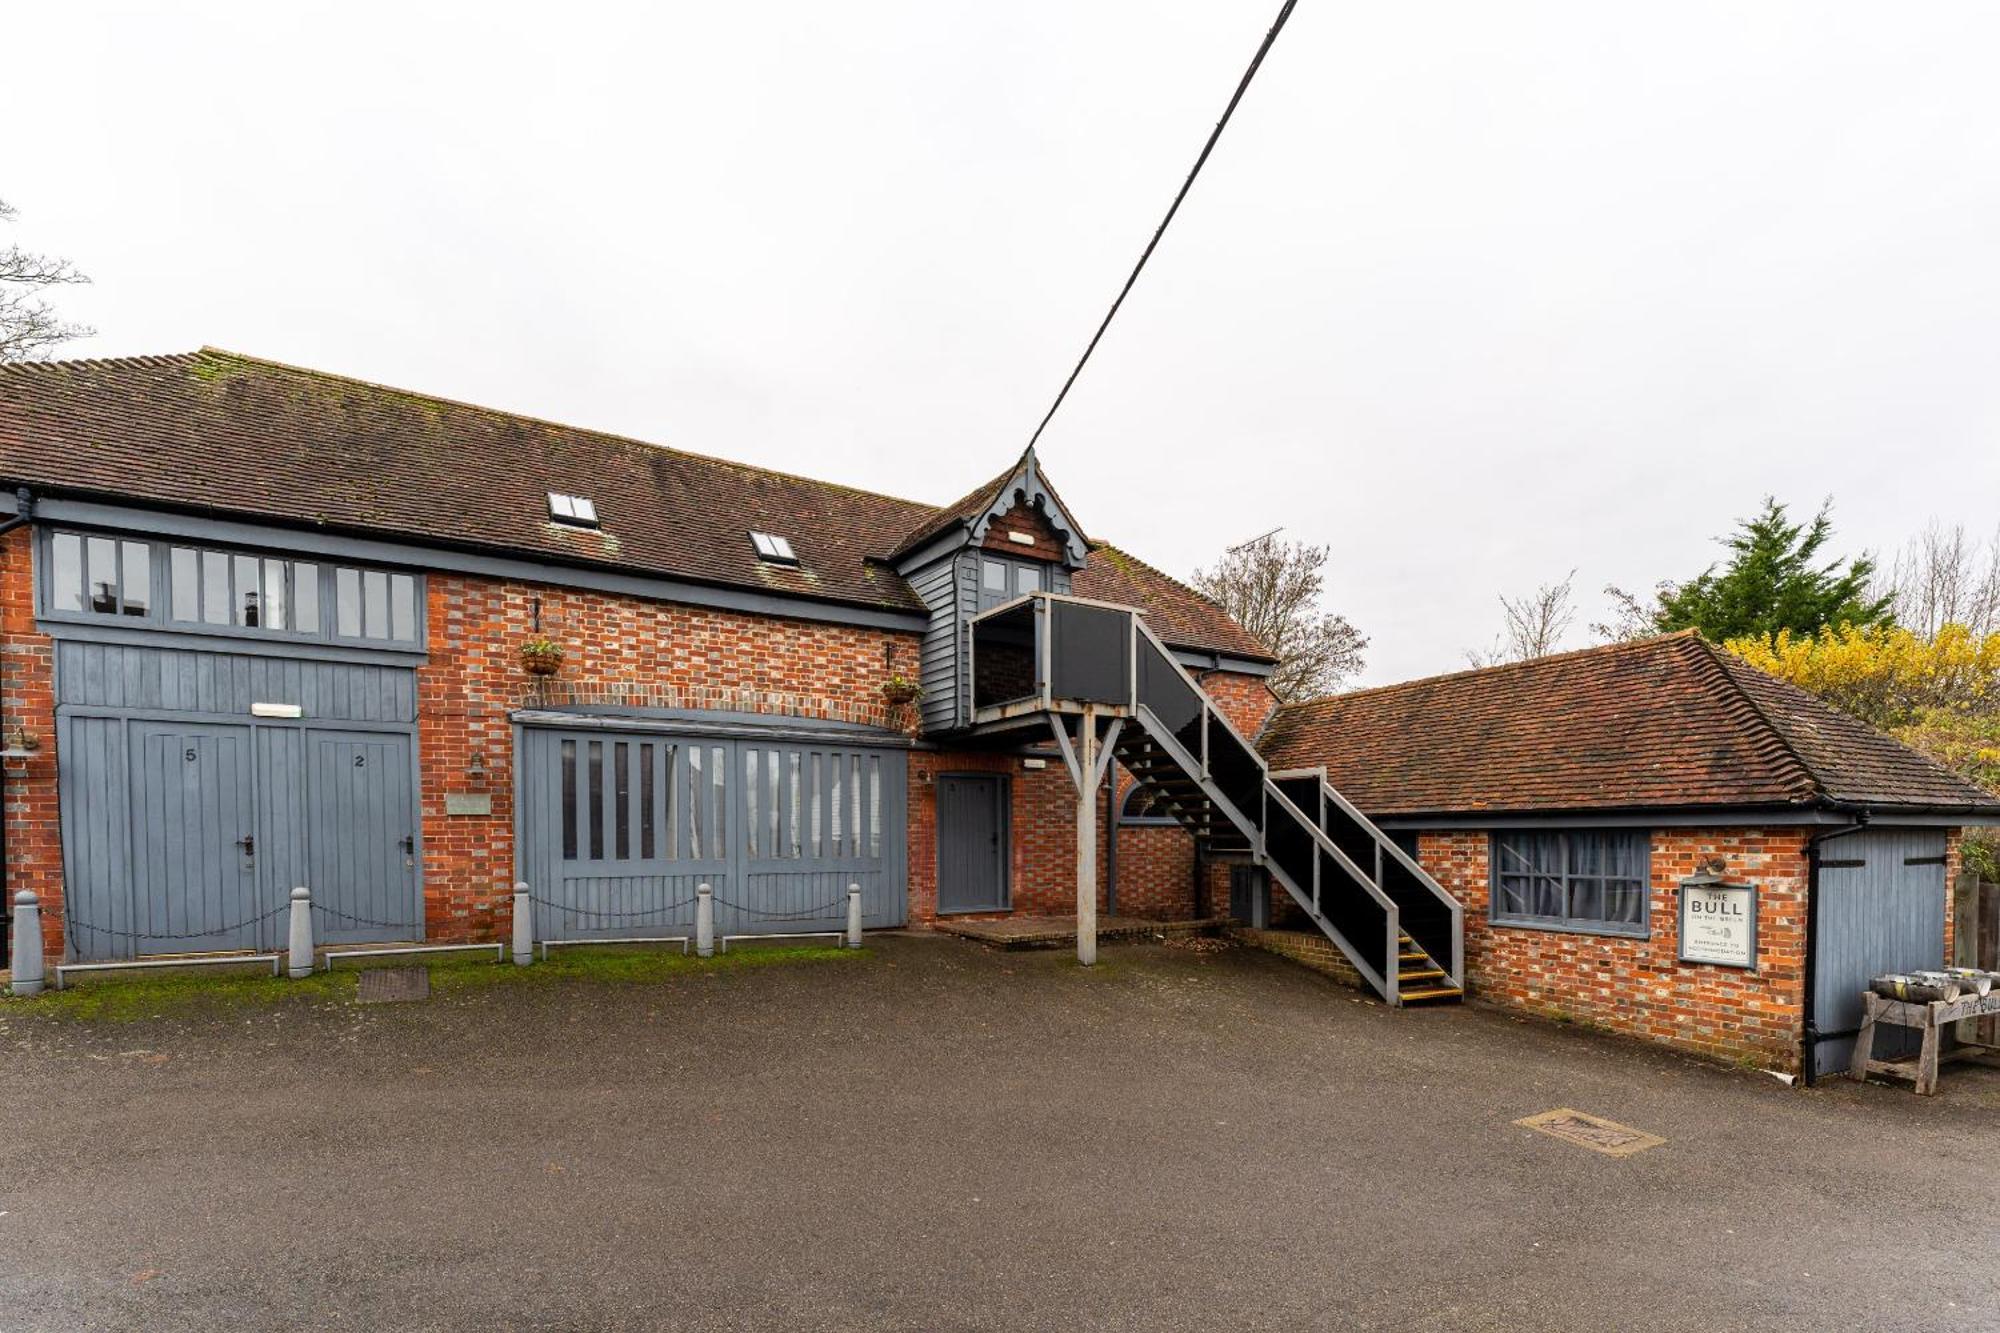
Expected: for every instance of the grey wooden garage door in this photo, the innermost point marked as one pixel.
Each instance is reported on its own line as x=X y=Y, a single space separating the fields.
x=1880 y=908
x=180 y=837
x=619 y=828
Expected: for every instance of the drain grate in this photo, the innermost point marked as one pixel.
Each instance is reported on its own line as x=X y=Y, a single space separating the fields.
x=387 y=985
x=1591 y=1131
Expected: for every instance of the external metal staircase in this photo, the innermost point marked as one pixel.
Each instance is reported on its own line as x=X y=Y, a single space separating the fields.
x=1077 y=663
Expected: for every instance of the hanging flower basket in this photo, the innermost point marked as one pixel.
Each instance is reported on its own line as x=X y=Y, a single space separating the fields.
x=899 y=691
x=542 y=657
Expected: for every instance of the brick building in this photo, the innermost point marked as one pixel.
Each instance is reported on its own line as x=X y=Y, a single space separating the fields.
x=263 y=627
x=1588 y=809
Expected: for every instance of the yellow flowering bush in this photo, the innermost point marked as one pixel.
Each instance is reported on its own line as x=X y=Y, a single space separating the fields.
x=1885 y=674
x=1939 y=695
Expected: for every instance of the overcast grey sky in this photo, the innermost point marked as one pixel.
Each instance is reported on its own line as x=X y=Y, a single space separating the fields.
x=1476 y=293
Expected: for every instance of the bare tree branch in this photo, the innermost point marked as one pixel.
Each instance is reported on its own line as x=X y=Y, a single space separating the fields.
x=29 y=326
x=1631 y=618
x=1534 y=625
x=1273 y=589
x=1943 y=576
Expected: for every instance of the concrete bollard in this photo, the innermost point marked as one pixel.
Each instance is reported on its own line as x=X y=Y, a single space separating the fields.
x=524 y=926
x=854 y=916
x=27 y=959
x=704 y=921
x=300 y=964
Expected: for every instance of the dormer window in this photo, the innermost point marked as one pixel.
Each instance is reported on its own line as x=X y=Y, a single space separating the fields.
x=773 y=550
x=574 y=510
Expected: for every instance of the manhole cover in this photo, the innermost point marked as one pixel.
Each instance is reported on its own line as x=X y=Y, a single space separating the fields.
x=385 y=985
x=1592 y=1131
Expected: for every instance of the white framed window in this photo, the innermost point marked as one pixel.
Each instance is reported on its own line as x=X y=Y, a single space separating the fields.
x=575 y=510
x=773 y=549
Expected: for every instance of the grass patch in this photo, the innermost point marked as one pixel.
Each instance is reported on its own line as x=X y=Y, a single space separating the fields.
x=134 y=999
x=614 y=965
x=118 y=1000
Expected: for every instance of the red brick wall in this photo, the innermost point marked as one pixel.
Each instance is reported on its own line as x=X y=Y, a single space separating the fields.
x=1030 y=521
x=1639 y=987
x=1246 y=701
x=1156 y=863
x=27 y=699
x=623 y=651
x=1042 y=813
x=1954 y=866
x=620 y=651
x=1156 y=873
x=628 y=652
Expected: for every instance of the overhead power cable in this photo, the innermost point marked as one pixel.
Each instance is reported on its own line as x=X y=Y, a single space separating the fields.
x=1243 y=86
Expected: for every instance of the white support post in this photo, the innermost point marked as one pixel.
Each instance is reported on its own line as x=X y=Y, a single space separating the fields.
x=524 y=924
x=300 y=964
x=1086 y=839
x=27 y=953
x=854 y=916
x=704 y=921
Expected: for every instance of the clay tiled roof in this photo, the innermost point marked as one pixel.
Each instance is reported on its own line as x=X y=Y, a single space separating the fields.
x=1651 y=725
x=966 y=509
x=219 y=432
x=1181 y=616
x=235 y=436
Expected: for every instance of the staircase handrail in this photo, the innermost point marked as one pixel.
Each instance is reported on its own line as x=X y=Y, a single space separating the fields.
x=1454 y=966
x=1388 y=984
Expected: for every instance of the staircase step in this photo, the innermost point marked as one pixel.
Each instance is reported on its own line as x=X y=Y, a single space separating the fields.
x=1419 y=974
x=1433 y=994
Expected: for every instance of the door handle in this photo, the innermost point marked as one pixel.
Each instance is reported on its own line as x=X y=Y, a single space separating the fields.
x=248 y=842
x=409 y=844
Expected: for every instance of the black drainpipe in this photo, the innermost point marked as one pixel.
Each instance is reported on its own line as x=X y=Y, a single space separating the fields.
x=1861 y=815
x=24 y=514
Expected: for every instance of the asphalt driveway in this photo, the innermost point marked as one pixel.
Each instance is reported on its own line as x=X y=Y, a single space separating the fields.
x=932 y=1136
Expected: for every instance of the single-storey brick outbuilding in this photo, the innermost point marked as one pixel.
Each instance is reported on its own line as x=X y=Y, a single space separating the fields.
x=1587 y=807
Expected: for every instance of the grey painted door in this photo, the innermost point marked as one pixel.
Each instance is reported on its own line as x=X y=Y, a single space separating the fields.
x=144 y=842
x=361 y=837
x=972 y=843
x=180 y=837
x=620 y=828
x=1880 y=908
x=194 y=862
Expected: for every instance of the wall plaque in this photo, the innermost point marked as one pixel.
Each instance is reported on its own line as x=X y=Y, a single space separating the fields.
x=468 y=803
x=1718 y=923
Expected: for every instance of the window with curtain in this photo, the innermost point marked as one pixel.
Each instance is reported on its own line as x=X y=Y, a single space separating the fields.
x=1583 y=879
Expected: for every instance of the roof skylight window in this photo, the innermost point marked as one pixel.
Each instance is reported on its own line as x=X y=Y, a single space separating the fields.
x=572 y=509
x=775 y=550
